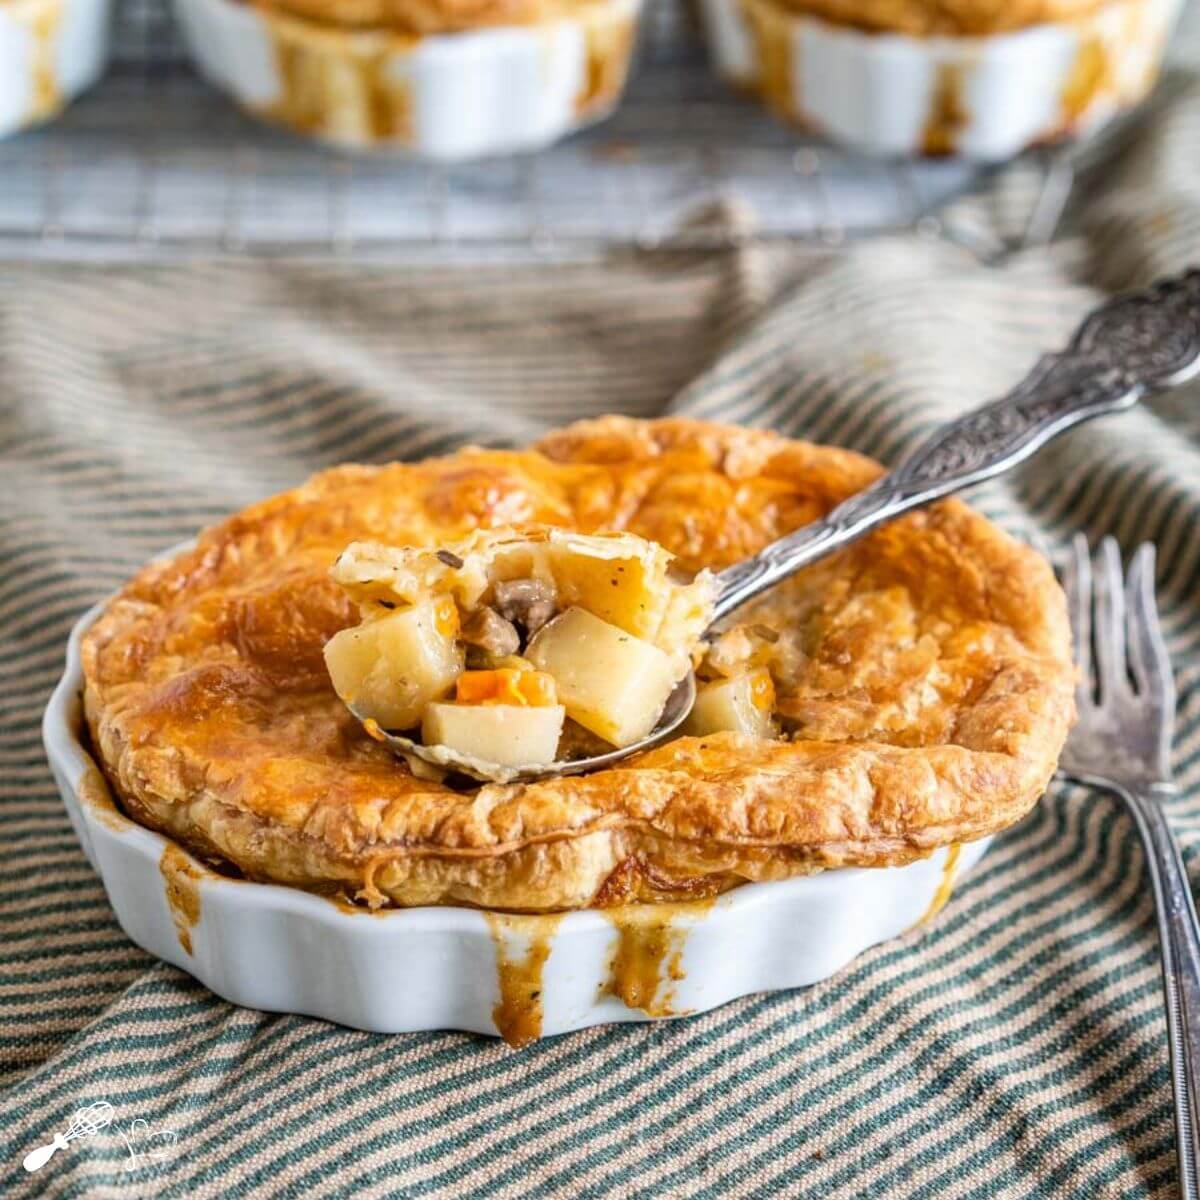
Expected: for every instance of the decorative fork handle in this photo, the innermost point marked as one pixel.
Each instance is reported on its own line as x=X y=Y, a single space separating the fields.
x=1131 y=346
x=1179 y=939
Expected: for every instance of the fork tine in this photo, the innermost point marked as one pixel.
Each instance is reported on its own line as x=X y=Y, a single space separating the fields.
x=1109 y=621
x=1077 y=579
x=1135 y=637
x=1147 y=649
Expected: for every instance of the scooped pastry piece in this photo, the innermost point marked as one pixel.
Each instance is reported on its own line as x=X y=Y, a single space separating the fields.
x=922 y=677
x=490 y=644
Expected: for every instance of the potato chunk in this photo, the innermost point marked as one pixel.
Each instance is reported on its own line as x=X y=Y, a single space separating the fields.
x=743 y=704
x=612 y=683
x=509 y=735
x=390 y=668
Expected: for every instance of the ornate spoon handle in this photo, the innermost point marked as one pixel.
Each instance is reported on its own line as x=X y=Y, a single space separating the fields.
x=1129 y=347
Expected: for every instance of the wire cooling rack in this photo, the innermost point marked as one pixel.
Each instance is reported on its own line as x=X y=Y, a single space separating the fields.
x=154 y=161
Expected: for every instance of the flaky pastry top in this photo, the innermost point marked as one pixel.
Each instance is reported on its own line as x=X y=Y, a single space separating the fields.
x=923 y=676
x=422 y=18
x=928 y=18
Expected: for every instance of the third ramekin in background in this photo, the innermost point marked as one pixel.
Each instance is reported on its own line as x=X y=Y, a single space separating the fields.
x=985 y=95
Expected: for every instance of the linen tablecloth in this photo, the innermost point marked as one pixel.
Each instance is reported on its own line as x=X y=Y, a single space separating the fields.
x=1016 y=1047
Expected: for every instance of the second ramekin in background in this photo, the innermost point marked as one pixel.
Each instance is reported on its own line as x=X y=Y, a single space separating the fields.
x=50 y=51
x=492 y=90
x=985 y=97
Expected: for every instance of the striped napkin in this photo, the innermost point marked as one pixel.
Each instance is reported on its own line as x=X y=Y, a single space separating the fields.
x=1014 y=1048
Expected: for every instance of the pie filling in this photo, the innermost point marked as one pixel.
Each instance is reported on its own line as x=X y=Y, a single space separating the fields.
x=524 y=647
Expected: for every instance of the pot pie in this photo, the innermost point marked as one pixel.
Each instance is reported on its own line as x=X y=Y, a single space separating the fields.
x=984 y=79
x=440 y=79
x=911 y=691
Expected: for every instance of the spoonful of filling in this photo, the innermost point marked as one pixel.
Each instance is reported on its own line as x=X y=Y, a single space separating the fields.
x=518 y=652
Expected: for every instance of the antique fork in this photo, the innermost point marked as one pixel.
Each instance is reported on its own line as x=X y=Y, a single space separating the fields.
x=1122 y=743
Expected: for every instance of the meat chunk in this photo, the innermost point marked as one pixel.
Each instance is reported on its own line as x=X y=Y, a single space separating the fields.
x=488 y=630
x=529 y=603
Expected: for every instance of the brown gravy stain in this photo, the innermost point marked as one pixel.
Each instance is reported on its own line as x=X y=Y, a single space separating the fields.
x=182 y=878
x=341 y=90
x=608 y=47
x=344 y=903
x=945 y=888
x=648 y=957
x=772 y=36
x=1090 y=77
x=518 y=1015
x=95 y=794
x=948 y=115
x=1101 y=68
x=46 y=99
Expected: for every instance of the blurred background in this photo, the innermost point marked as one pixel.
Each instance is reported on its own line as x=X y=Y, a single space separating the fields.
x=153 y=159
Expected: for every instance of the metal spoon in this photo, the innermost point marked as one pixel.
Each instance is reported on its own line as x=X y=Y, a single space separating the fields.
x=1130 y=347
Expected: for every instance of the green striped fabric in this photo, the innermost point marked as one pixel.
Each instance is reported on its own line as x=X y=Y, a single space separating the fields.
x=1015 y=1048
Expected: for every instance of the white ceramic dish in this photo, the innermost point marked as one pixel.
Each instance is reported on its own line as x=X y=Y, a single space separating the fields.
x=452 y=96
x=986 y=98
x=50 y=51
x=285 y=950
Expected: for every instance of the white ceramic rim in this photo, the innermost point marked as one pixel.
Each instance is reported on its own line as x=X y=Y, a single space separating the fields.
x=876 y=91
x=282 y=949
x=474 y=94
x=68 y=54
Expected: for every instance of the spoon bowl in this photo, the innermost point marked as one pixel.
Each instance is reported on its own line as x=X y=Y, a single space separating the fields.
x=441 y=759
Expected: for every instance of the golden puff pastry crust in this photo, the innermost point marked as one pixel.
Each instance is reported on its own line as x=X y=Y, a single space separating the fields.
x=420 y=18
x=924 y=678
x=929 y=18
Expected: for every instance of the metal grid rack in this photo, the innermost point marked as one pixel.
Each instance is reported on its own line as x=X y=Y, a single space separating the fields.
x=153 y=161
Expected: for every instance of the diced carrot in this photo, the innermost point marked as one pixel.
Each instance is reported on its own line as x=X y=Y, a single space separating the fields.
x=527 y=689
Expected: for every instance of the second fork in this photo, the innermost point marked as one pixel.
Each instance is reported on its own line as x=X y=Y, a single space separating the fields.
x=1122 y=743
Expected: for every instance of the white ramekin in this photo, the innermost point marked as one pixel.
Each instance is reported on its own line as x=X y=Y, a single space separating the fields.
x=50 y=51
x=286 y=950
x=986 y=98
x=449 y=96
